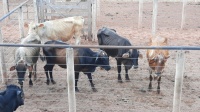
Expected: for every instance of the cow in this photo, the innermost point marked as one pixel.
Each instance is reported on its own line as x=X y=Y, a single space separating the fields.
x=127 y=57
x=156 y=60
x=59 y=29
x=85 y=60
x=11 y=98
x=26 y=58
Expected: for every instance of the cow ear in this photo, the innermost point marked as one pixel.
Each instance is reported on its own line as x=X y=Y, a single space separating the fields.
x=19 y=92
x=26 y=25
x=12 y=68
x=167 y=57
x=30 y=68
x=125 y=55
x=41 y=25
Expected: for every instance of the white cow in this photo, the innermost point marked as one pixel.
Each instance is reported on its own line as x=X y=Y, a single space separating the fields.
x=59 y=29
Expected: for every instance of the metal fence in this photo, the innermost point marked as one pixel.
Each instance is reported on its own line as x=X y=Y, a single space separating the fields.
x=113 y=96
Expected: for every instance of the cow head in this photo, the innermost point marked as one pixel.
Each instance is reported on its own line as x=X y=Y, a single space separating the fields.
x=102 y=60
x=157 y=63
x=35 y=28
x=134 y=55
x=21 y=68
x=17 y=95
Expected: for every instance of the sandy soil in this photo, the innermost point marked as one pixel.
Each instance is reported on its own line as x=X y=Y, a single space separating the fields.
x=127 y=96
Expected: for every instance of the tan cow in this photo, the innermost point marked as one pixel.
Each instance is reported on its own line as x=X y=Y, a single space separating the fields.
x=157 y=59
x=59 y=29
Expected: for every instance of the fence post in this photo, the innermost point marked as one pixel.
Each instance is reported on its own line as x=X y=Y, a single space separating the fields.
x=71 y=79
x=183 y=14
x=154 y=18
x=180 y=60
x=89 y=19
x=21 y=22
x=2 y=62
x=5 y=7
x=94 y=15
x=140 y=14
x=41 y=4
x=35 y=4
x=98 y=7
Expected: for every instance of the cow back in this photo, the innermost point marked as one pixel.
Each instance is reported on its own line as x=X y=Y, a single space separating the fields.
x=157 y=57
x=109 y=37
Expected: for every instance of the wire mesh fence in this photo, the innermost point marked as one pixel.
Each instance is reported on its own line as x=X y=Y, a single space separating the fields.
x=112 y=96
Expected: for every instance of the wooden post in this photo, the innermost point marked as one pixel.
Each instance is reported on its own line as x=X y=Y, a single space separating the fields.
x=41 y=4
x=140 y=14
x=98 y=7
x=94 y=16
x=71 y=79
x=21 y=22
x=35 y=4
x=89 y=19
x=5 y=8
x=180 y=61
x=154 y=18
x=2 y=62
x=183 y=14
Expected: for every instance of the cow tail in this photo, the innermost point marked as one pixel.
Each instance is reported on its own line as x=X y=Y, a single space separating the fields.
x=42 y=57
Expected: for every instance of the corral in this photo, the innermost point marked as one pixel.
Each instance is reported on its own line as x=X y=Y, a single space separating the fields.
x=127 y=96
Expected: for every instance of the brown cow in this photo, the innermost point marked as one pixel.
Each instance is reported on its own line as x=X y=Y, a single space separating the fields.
x=157 y=59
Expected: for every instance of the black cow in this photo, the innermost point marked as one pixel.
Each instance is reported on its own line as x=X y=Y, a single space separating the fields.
x=85 y=60
x=127 y=57
x=11 y=98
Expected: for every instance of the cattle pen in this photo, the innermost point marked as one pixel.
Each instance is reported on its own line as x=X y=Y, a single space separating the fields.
x=180 y=81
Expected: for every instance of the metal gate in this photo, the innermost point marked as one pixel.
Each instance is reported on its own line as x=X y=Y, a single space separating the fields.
x=55 y=9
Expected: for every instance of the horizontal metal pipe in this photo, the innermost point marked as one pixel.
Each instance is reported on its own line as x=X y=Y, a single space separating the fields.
x=6 y=15
x=102 y=46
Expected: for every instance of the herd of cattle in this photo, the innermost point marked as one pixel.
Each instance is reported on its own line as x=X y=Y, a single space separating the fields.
x=85 y=60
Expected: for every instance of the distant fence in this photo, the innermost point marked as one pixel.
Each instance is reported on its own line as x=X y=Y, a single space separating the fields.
x=54 y=9
x=179 y=59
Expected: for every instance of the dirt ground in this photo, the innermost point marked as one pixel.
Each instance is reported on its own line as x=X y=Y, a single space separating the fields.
x=127 y=96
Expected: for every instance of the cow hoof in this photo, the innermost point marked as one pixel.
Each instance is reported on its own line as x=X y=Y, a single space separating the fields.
x=120 y=81
x=53 y=82
x=35 y=78
x=76 y=89
x=158 y=91
x=94 y=90
x=30 y=84
x=47 y=82
x=149 y=89
x=128 y=80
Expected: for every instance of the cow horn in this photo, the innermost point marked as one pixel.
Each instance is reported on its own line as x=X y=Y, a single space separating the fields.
x=98 y=53
x=127 y=54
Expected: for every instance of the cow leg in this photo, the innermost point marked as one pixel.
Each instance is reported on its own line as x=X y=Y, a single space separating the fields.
x=158 y=88
x=76 y=80
x=51 y=75
x=21 y=85
x=30 y=81
x=126 y=76
x=77 y=35
x=48 y=68
x=92 y=84
x=150 y=83
x=35 y=69
x=119 y=71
